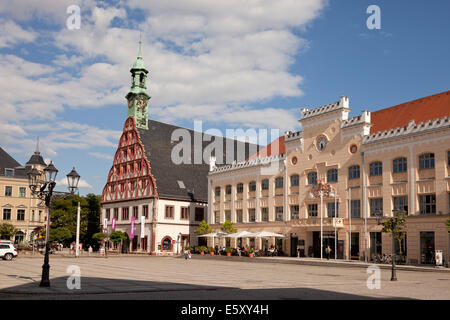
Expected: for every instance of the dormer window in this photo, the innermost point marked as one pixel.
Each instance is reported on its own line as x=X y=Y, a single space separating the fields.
x=9 y=172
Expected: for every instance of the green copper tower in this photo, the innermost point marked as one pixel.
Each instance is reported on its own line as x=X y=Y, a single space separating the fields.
x=138 y=97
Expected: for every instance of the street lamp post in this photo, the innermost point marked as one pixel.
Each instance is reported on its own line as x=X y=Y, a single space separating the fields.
x=41 y=185
x=334 y=193
x=321 y=190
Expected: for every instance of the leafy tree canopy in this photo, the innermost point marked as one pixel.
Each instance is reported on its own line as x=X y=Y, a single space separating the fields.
x=228 y=227
x=61 y=234
x=7 y=230
x=116 y=236
x=203 y=228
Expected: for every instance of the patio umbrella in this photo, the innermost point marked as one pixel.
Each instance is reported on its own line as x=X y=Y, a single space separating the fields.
x=266 y=234
x=215 y=235
x=242 y=234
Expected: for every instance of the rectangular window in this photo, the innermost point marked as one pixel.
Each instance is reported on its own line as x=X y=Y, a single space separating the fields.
x=356 y=208
x=169 y=212
x=295 y=180
x=228 y=215
x=265 y=184
x=217 y=191
x=252 y=186
x=312 y=210
x=279 y=213
x=426 y=161
x=239 y=216
x=125 y=213
x=240 y=188
x=279 y=182
x=8 y=191
x=40 y=215
x=353 y=172
x=376 y=169
x=332 y=176
x=184 y=213
x=251 y=215
x=400 y=165
x=448 y=158
x=295 y=212
x=145 y=211
x=22 y=192
x=264 y=214
x=228 y=189
x=136 y=212
x=199 y=214
x=312 y=178
x=9 y=172
x=6 y=214
x=116 y=213
x=20 y=215
x=376 y=207
x=427 y=204
x=217 y=217
x=108 y=214
x=332 y=210
x=401 y=203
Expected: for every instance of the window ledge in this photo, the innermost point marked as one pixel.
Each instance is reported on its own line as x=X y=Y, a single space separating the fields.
x=426 y=179
x=398 y=182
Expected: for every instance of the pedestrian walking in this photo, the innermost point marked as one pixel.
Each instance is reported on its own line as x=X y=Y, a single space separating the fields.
x=328 y=252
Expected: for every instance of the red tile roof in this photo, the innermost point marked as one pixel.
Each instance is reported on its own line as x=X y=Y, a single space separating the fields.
x=276 y=147
x=423 y=109
x=420 y=110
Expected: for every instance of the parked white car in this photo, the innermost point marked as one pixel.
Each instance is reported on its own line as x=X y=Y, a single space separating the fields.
x=7 y=250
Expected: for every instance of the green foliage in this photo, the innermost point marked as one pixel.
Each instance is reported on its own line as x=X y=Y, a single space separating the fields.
x=203 y=228
x=395 y=226
x=228 y=250
x=116 y=236
x=201 y=248
x=99 y=236
x=228 y=227
x=187 y=248
x=448 y=225
x=61 y=234
x=7 y=231
x=64 y=215
x=211 y=249
x=251 y=250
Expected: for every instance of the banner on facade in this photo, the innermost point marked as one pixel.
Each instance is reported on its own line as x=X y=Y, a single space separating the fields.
x=142 y=226
x=132 y=227
x=113 y=224
x=105 y=226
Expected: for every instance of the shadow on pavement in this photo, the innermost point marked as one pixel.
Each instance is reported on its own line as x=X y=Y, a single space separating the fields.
x=104 y=288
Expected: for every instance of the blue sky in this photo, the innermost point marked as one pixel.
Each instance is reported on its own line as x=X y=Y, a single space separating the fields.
x=229 y=64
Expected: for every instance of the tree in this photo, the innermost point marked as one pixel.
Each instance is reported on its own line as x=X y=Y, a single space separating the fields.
x=117 y=236
x=395 y=226
x=7 y=231
x=93 y=220
x=203 y=228
x=61 y=234
x=448 y=225
x=228 y=227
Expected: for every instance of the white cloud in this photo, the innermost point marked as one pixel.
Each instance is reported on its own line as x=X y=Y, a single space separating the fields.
x=81 y=184
x=13 y=34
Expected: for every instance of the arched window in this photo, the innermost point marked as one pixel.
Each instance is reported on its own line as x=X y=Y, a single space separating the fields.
x=376 y=168
x=426 y=161
x=294 y=180
x=353 y=172
x=166 y=244
x=332 y=175
x=312 y=178
x=400 y=165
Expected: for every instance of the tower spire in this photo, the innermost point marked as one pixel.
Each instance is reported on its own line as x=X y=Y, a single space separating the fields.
x=140 y=45
x=37 y=146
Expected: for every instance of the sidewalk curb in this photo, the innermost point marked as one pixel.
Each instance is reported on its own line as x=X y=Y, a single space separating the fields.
x=325 y=263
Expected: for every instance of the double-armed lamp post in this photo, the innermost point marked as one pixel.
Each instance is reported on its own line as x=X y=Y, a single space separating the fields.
x=41 y=184
x=321 y=190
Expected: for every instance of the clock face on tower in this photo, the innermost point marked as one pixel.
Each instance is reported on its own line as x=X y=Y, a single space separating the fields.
x=321 y=143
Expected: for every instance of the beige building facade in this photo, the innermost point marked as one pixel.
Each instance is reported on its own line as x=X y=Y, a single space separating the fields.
x=18 y=206
x=392 y=159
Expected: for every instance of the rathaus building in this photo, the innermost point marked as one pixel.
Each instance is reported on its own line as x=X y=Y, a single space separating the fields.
x=373 y=165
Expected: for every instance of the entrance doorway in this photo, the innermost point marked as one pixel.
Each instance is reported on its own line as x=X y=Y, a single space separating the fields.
x=328 y=240
x=427 y=247
x=375 y=244
x=294 y=243
x=354 y=248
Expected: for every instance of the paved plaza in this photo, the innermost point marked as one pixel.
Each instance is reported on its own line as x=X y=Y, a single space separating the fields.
x=150 y=277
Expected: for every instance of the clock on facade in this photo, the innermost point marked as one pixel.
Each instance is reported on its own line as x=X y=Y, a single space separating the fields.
x=321 y=143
